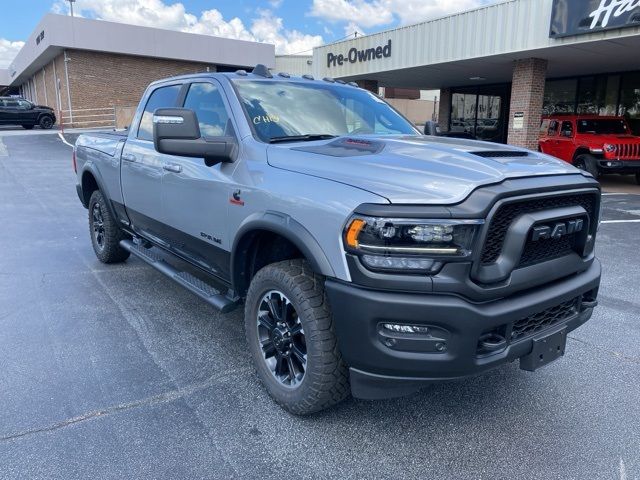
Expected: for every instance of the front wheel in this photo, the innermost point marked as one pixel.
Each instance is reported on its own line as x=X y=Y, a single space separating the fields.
x=46 y=122
x=589 y=164
x=104 y=231
x=290 y=334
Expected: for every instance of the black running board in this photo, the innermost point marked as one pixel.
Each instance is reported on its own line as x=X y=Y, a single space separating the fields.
x=209 y=294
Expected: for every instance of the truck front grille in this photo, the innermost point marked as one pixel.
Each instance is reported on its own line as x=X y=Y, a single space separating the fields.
x=628 y=151
x=541 y=320
x=534 y=252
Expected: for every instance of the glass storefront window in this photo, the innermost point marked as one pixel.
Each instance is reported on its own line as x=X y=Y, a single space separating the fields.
x=463 y=114
x=591 y=92
x=488 y=126
x=560 y=96
x=630 y=100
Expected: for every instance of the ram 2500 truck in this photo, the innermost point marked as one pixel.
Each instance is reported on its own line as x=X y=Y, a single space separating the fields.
x=369 y=258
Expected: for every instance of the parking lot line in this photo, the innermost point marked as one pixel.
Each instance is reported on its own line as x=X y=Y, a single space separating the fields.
x=64 y=140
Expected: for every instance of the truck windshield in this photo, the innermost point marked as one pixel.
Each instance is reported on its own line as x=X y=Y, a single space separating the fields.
x=279 y=110
x=603 y=127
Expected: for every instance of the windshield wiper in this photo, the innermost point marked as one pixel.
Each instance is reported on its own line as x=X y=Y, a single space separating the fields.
x=301 y=138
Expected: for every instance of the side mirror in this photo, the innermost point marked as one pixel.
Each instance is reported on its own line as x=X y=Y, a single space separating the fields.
x=176 y=132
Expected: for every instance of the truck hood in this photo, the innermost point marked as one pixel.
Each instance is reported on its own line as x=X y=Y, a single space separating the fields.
x=613 y=139
x=414 y=169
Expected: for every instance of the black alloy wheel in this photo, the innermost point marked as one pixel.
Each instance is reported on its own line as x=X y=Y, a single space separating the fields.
x=97 y=224
x=282 y=339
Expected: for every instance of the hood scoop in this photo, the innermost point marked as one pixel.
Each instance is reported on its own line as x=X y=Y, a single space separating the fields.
x=500 y=154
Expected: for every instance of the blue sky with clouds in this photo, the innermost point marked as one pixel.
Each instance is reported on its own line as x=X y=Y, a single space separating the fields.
x=294 y=26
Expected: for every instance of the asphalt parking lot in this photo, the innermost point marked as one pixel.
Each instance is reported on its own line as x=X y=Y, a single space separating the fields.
x=116 y=372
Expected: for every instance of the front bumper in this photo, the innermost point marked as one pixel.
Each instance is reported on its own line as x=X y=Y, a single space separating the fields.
x=619 y=166
x=384 y=368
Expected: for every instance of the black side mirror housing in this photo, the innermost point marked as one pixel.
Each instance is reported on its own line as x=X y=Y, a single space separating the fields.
x=176 y=132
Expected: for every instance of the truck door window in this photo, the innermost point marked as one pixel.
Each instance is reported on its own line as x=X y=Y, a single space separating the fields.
x=163 y=97
x=553 y=128
x=567 y=129
x=206 y=101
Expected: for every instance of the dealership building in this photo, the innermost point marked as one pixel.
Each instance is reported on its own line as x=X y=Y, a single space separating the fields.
x=94 y=72
x=501 y=67
x=498 y=68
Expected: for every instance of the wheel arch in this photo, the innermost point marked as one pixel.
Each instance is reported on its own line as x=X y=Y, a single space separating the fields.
x=273 y=224
x=90 y=181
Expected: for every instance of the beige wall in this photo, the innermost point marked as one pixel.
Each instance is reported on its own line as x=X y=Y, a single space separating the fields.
x=417 y=111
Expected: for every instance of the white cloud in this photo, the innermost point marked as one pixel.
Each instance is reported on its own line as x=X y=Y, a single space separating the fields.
x=8 y=51
x=352 y=28
x=374 y=13
x=265 y=27
x=368 y=14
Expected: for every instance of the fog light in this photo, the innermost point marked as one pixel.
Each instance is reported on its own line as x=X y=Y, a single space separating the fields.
x=394 y=327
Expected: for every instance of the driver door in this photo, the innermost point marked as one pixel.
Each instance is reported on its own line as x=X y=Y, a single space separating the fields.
x=195 y=197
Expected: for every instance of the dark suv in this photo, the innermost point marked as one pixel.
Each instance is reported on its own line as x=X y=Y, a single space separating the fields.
x=18 y=111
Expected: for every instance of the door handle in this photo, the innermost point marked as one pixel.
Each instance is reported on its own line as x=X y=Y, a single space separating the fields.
x=129 y=157
x=172 y=167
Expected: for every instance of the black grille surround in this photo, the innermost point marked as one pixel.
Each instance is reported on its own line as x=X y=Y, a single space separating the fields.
x=539 y=321
x=534 y=252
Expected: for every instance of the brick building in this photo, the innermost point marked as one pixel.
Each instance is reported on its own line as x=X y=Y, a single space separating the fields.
x=94 y=72
x=501 y=67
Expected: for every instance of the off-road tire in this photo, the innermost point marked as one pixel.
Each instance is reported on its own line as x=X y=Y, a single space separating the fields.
x=326 y=381
x=27 y=127
x=46 y=122
x=589 y=164
x=109 y=250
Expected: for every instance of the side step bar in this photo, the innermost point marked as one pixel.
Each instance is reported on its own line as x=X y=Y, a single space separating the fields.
x=205 y=291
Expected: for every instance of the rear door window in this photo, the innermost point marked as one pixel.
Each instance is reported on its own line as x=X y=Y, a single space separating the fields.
x=567 y=129
x=163 y=97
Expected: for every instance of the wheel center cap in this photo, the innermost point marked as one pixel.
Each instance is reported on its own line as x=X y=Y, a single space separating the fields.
x=280 y=339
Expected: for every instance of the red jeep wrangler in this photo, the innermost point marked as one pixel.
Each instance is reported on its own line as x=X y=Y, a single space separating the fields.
x=592 y=143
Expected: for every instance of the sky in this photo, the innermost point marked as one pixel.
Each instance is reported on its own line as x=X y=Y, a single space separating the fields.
x=294 y=26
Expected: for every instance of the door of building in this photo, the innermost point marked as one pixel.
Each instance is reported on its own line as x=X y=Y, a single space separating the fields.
x=481 y=111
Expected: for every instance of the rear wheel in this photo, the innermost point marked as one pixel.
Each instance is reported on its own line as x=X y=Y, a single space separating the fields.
x=27 y=127
x=104 y=231
x=589 y=164
x=289 y=329
x=638 y=178
x=46 y=122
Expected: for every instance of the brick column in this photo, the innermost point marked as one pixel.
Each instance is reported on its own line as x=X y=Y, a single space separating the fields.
x=371 y=85
x=444 y=112
x=527 y=96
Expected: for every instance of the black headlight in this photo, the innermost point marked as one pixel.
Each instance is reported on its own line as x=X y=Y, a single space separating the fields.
x=409 y=245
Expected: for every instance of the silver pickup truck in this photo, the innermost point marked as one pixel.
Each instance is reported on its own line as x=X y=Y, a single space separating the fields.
x=369 y=258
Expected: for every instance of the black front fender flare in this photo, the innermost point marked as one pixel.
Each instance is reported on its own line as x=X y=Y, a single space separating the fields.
x=285 y=226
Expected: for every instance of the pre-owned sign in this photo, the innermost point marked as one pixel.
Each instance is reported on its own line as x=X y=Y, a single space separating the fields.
x=577 y=17
x=354 y=55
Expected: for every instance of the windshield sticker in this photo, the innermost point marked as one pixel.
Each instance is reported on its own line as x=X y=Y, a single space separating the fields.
x=265 y=119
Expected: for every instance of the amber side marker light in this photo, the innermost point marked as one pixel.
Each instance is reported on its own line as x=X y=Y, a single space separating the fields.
x=353 y=231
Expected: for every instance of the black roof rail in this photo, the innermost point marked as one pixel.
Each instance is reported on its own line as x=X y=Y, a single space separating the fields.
x=284 y=75
x=262 y=71
x=306 y=76
x=241 y=72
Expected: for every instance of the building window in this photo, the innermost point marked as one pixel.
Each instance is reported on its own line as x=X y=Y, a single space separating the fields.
x=560 y=96
x=630 y=100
